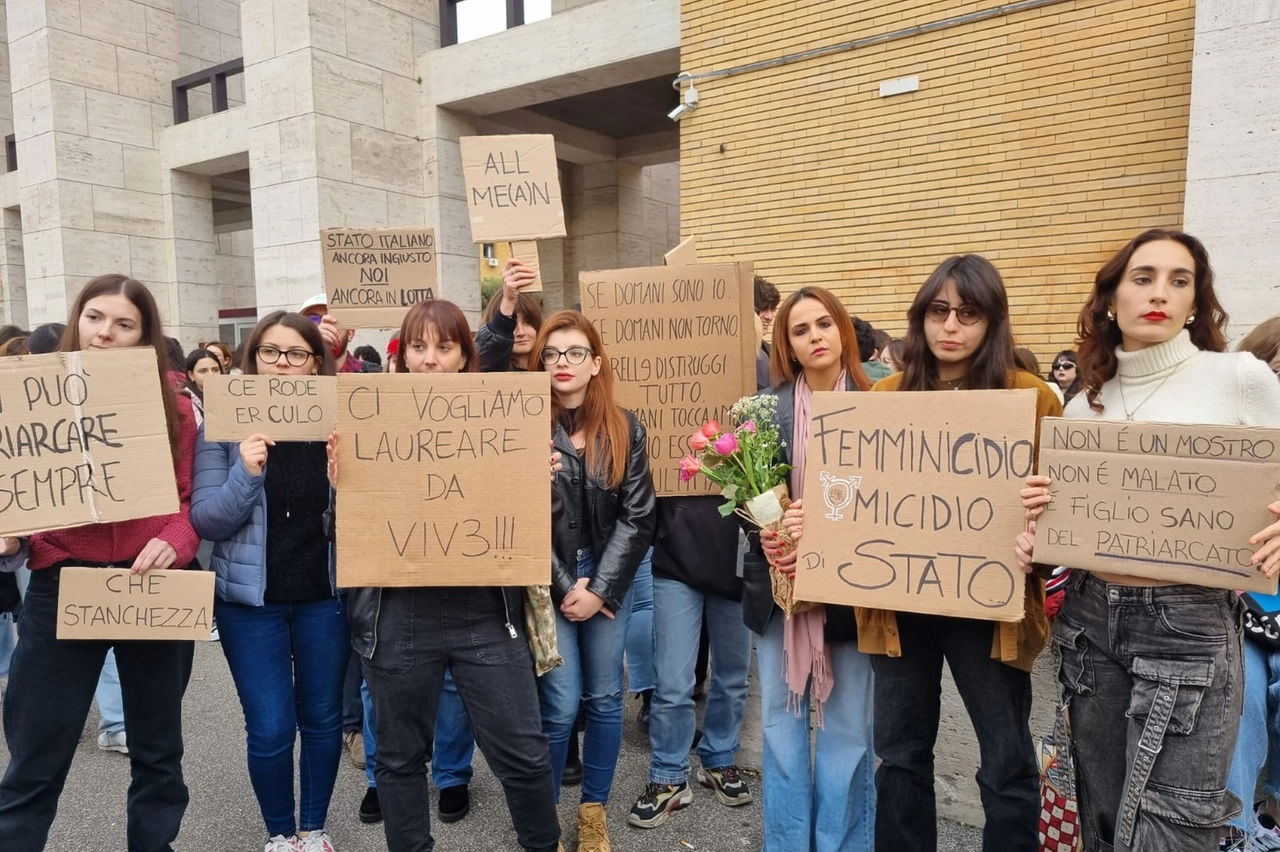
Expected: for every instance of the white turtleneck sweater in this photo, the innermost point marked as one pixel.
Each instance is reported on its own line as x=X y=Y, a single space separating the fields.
x=1174 y=382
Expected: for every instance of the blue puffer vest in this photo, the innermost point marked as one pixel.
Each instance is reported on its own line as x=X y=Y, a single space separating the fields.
x=229 y=508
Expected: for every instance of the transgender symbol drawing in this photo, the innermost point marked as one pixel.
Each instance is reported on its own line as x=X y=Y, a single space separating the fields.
x=837 y=492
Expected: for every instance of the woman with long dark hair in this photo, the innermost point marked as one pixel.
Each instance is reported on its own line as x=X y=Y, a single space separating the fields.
x=1152 y=670
x=811 y=660
x=407 y=637
x=200 y=364
x=51 y=681
x=281 y=622
x=599 y=537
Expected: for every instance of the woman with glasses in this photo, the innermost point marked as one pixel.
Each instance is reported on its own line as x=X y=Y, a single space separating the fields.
x=604 y=515
x=958 y=338
x=407 y=638
x=282 y=625
x=1064 y=376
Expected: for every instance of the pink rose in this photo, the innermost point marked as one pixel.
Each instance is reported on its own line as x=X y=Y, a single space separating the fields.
x=699 y=442
x=688 y=467
x=711 y=428
x=726 y=445
x=749 y=426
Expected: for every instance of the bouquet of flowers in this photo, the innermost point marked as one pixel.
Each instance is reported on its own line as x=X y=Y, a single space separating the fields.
x=743 y=461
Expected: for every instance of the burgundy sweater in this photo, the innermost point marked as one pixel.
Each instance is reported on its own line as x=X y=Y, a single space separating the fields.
x=122 y=541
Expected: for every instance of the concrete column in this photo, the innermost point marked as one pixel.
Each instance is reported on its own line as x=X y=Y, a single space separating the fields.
x=188 y=246
x=446 y=202
x=1233 y=154
x=91 y=90
x=13 y=273
x=359 y=163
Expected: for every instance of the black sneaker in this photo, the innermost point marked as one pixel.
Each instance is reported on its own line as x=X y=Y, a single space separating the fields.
x=455 y=802
x=657 y=802
x=370 y=810
x=730 y=789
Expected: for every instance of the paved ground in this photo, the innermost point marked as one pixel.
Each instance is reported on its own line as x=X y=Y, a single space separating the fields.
x=224 y=815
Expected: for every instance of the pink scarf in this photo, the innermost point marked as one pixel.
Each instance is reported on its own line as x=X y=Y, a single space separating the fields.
x=804 y=649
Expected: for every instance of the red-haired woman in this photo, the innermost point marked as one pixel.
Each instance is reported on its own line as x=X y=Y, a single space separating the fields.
x=825 y=803
x=603 y=526
x=51 y=681
x=407 y=637
x=1152 y=670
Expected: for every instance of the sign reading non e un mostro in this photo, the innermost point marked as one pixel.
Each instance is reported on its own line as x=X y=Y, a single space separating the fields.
x=1168 y=502
x=372 y=276
x=83 y=440
x=911 y=501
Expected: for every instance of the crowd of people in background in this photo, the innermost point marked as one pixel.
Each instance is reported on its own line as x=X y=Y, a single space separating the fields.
x=1174 y=709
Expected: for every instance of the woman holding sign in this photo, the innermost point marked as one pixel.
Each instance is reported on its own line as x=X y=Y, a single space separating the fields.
x=407 y=637
x=958 y=338
x=600 y=534
x=826 y=804
x=51 y=681
x=1152 y=670
x=280 y=619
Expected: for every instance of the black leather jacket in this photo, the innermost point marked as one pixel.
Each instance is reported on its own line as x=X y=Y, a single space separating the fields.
x=622 y=520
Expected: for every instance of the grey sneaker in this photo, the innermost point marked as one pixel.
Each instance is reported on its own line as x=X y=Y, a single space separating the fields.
x=113 y=742
x=730 y=789
x=657 y=802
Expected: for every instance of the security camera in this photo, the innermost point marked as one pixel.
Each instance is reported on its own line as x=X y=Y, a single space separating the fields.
x=690 y=100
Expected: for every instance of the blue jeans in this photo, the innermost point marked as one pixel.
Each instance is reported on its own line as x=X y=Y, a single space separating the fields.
x=370 y=734
x=640 y=631
x=455 y=743
x=592 y=673
x=288 y=662
x=677 y=612
x=827 y=802
x=110 y=701
x=1251 y=744
x=6 y=643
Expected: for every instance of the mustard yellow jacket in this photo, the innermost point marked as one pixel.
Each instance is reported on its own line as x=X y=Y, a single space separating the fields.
x=1014 y=643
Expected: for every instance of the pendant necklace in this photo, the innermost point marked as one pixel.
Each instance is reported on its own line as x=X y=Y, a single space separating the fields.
x=1129 y=415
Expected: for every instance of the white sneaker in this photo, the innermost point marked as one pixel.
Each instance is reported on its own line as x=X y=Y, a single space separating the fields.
x=280 y=843
x=1266 y=834
x=316 y=841
x=113 y=742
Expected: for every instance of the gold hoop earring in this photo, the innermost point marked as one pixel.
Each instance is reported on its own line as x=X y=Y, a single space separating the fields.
x=1110 y=316
x=1191 y=319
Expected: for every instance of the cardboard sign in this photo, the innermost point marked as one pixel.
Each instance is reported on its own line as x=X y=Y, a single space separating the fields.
x=443 y=479
x=685 y=254
x=911 y=501
x=83 y=440
x=1175 y=503
x=513 y=187
x=680 y=343
x=526 y=251
x=284 y=408
x=373 y=276
x=111 y=603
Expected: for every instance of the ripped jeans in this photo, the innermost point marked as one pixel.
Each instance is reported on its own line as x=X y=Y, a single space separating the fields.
x=1154 y=679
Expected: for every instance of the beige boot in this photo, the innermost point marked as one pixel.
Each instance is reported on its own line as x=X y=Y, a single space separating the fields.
x=593 y=828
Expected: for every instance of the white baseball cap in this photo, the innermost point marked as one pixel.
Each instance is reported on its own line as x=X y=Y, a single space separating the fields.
x=318 y=300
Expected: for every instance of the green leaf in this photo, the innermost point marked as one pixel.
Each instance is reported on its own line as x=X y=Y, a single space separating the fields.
x=726 y=508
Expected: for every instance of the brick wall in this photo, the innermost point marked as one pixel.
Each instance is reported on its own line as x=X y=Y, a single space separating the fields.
x=1043 y=139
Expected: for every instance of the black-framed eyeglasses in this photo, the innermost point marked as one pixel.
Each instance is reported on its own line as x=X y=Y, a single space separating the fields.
x=269 y=354
x=1065 y=365
x=966 y=314
x=575 y=355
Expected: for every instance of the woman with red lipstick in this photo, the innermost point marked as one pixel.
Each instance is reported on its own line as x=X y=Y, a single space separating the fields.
x=827 y=803
x=1152 y=670
x=51 y=681
x=603 y=520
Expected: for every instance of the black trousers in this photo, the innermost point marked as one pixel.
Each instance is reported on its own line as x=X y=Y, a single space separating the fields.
x=420 y=632
x=51 y=685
